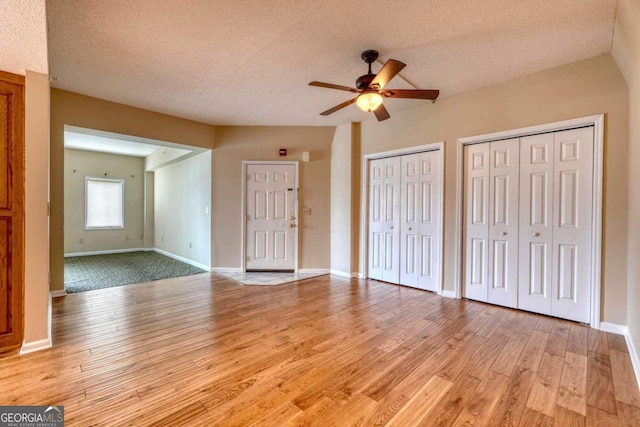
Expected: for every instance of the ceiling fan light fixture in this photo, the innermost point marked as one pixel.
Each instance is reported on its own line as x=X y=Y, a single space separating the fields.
x=369 y=101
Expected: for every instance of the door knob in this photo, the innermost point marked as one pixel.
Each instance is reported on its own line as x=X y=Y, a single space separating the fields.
x=410 y=228
x=535 y=234
x=292 y=225
x=504 y=233
x=291 y=217
x=391 y=227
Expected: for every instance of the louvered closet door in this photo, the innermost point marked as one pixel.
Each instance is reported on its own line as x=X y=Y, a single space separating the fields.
x=572 y=213
x=384 y=219
x=476 y=212
x=502 y=267
x=420 y=221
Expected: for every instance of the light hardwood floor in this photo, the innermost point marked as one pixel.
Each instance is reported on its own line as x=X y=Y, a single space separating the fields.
x=203 y=350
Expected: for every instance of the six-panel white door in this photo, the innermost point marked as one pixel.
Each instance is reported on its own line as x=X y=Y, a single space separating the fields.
x=491 y=222
x=420 y=220
x=384 y=219
x=270 y=222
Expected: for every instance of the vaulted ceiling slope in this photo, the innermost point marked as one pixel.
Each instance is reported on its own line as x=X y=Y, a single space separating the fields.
x=249 y=62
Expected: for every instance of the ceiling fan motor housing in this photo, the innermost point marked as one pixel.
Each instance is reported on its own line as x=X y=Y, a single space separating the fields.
x=368 y=56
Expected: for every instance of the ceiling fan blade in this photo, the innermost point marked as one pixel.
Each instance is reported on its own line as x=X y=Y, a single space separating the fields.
x=338 y=107
x=381 y=113
x=388 y=71
x=332 y=86
x=411 y=93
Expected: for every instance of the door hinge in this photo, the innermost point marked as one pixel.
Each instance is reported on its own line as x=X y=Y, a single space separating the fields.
x=48 y=208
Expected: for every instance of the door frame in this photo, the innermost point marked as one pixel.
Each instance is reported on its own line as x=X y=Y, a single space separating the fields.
x=245 y=164
x=364 y=203
x=597 y=121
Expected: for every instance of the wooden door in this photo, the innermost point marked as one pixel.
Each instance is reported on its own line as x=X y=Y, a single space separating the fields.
x=271 y=217
x=11 y=210
x=384 y=219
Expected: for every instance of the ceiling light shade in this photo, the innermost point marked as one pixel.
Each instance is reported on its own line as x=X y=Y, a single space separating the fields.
x=369 y=101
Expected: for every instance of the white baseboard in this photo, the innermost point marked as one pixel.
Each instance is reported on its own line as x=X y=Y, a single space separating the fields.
x=314 y=271
x=633 y=351
x=182 y=259
x=448 y=294
x=341 y=273
x=226 y=270
x=106 y=252
x=634 y=355
x=58 y=293
x=43 y=344
x=614 y=328
x=30 y=347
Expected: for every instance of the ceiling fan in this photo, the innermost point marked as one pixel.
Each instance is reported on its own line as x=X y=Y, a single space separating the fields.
x=370 y=88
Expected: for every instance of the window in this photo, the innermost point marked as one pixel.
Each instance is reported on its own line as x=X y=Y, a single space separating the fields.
x=104 y=203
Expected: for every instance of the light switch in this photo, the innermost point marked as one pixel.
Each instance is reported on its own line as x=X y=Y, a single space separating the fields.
x=306 y=211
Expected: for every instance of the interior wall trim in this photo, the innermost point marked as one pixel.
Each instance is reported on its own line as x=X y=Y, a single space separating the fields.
x=182 y=259
x=106 y=252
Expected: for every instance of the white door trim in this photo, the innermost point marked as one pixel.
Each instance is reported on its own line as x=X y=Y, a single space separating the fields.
x=364 y=203
x=597 y=122
x=246 y=163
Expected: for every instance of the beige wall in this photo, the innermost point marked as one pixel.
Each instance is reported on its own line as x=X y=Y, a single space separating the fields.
x=235 y=144
x=626 y=51
x=68 y=108
x=341 y=196
x=579 y=89
x=36 y=295
x=79 y=164
x=182 y=202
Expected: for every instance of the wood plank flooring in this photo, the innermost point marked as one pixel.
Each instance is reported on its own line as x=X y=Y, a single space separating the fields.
x=203 y=350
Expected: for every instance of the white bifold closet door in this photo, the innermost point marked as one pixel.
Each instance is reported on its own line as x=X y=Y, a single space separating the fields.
x=384 y=219
x=527 y=215
x=491 y=222
x=555 y=214
x=420 y=226
x=404 y=219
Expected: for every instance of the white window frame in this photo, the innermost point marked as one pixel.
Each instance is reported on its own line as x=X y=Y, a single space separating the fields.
x=86 y=201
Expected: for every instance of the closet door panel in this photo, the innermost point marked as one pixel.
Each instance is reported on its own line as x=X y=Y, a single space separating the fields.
x=572 y=213
x=410 y=213
x=535 y=231
x=503 y=223
x=376 y=218
x=476 y=220
x=430 y=218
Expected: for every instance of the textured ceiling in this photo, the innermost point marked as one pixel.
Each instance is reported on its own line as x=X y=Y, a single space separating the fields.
x=248 y=62
x=23 y=36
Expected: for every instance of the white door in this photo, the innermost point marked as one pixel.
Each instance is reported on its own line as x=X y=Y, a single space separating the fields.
x=502 y=266
x=536 y=228
x=384 y=219
x=572 y=213
x=476 y=220
x=420 y=220
x=271 y=217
